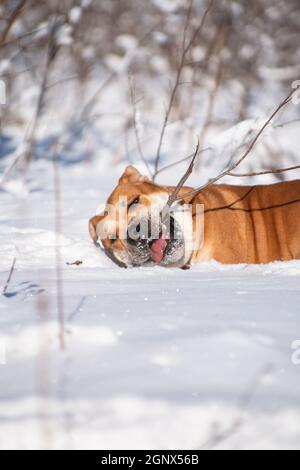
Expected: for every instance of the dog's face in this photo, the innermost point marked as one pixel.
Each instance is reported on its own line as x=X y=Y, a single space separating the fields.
x=135 y=229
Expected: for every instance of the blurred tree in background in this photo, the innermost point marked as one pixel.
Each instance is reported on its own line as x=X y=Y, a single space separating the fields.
x=67 y=65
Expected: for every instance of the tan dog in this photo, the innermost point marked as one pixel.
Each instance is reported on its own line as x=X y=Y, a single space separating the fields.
x=242 y=224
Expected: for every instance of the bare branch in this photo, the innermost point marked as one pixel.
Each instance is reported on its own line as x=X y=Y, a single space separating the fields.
x=248 y=151
x=91 y=102
x=40 y=100
x=60 y=81
x=135 y=126
x=21 y=37
x=27 y=146
x=217 y=80
x=9 y=276
x=185 y=50
x=58 y=256
x=171 y=165
x=287 y=123
x=189 y=171
x=266 y=172
x=11 y=21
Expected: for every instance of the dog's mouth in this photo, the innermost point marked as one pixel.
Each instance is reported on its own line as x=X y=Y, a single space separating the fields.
x=166 y=249
x=158 y=248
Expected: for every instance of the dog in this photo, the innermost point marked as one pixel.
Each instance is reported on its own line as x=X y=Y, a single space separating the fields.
x=240 y=224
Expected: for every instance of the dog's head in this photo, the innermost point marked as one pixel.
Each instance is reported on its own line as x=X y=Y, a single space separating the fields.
x=136 y=229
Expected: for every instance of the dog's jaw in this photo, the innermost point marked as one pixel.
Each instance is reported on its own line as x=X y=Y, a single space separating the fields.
x=176 y=252
x=183 y=217
x=169 y=241
x=123 y=257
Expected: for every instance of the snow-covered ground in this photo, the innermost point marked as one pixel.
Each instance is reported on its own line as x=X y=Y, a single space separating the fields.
x=154 y=358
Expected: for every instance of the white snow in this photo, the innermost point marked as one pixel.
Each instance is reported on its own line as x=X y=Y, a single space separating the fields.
x=154 y=358
x=126 y=41
x=168 y=6
x=75 y=14
x=64 y=35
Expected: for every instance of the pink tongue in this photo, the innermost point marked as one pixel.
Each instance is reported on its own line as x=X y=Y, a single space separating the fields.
x=157 y=249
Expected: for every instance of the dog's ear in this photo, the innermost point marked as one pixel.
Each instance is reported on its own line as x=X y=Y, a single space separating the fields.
x=93 y=222
x=132 y=175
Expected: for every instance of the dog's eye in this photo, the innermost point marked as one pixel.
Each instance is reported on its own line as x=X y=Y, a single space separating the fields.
x=134 y=202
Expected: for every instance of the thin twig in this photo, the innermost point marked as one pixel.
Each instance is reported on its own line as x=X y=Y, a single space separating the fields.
x=222 y=36
x=135 y=126
x=60 y=81
x=9 y=276
x=19 y=155
x=51 y=52
x=11 y=21
x=77 y=309
x=185 y=50
x=189 y=171
x=21 y=37
x=248 y=151
x=27 y=146
x=92 y=101
x=43 y=376
x=86 y=110
x=58 y=258
x=283 y=124
x=266 y=172
x=182 y=160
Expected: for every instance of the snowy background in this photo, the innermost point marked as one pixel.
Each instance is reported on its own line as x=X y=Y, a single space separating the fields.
x=153 y=358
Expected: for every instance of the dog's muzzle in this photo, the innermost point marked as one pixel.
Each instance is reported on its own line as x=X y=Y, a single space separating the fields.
x=155 y=243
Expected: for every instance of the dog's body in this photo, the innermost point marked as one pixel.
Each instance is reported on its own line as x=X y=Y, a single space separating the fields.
x=242 y=224
x=251 y=224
